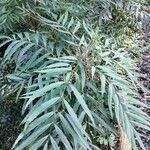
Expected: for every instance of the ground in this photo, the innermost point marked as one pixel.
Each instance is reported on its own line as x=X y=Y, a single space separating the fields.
x=144 y=67
x=10 y=119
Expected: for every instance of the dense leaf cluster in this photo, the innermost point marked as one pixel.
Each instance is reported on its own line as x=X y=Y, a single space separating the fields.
x=78 y=83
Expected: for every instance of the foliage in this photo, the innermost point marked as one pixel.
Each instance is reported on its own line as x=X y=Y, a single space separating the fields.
x=78 y=83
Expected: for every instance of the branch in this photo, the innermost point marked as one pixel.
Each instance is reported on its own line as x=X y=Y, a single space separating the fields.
x=37 y=22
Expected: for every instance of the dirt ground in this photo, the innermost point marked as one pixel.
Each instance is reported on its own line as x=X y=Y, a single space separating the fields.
x=10 y=119
x=144 y=67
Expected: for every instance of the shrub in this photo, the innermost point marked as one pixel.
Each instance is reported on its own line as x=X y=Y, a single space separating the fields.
x=79 y=85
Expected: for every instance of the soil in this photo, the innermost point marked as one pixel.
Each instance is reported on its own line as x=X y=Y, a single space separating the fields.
x=10 y=119
x=144 y=67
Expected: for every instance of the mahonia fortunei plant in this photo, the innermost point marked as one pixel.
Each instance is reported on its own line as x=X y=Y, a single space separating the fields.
x=78 y=85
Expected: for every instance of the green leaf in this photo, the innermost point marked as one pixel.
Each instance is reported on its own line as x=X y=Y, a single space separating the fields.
x=31 y=60
x=141 y=125
x=14 y=49
x=85 y=27
x=20 y=90
x=82 y=140
x=39 y=60
x=82 y=40
x=40 y=81
x=139 y=140
x=63 y=138
x=82 y=102
x=29 y=126
x=65 y=18
x=70 y=23
x=40 y=92
x=76 y=27
x=5 y=42
x=32 y=137
x=45 y=146
x=103 y=84
x=41 y=108
x=75 y=119
x=24 y=50
x=103 y=123
x=116 y=103
x=38 y=143
x=10 y=47
x=66 y=124
x=14 y=77
x=139 y=118
x=110 y=98
x=93 y=71
x=54 y=144
x=55 y=71
x=55 y=65
x=83 y=76
x=20 y=136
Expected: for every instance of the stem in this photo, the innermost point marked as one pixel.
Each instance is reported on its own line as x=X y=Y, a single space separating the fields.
x=37 y=22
